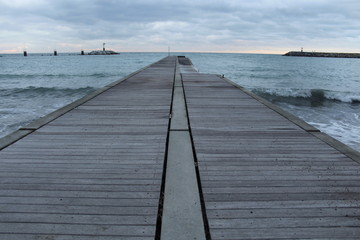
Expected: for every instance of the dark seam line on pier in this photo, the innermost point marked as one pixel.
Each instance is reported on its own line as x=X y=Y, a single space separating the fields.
x=46 y=235
x=163 y=178
x=313 y=130
x=202 y=200
x=29 y=128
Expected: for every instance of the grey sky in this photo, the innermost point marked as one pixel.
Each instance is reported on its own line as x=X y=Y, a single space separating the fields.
x=269 y=26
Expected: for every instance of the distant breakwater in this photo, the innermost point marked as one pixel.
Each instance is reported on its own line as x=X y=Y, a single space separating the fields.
x=322 y=54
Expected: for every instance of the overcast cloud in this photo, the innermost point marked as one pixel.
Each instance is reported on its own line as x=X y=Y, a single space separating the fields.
x=269 y=26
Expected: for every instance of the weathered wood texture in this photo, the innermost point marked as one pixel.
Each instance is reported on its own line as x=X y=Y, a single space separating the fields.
x=95 y=172
x=263 y=177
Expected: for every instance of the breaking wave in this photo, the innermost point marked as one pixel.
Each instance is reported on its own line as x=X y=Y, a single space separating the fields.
x=314 y=97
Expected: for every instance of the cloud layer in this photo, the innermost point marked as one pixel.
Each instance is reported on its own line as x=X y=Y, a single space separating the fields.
x=196 y=25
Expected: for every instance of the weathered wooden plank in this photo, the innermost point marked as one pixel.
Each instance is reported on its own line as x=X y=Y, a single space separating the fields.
x=81 y=187
x=78 y=173
x=283 y=212
x=80 y=201
x=285 y=196
x=74 y=219
x=294 y=222
x=218 y=205
x=77 y=229
x=120 y=180
x=285 y=177
x=280 y=190
x=71 y=236
x=81 y=194
x=279 y=183
x=80 y=210
x=288 y=233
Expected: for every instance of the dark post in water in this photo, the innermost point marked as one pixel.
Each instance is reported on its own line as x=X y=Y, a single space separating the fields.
x=104 y=47
x=55 y=53
x=25 y=53
x=82 y=52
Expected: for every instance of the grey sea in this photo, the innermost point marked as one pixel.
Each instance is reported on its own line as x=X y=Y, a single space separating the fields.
x=324 y=92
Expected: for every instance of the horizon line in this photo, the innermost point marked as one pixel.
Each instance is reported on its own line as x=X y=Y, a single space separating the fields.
x=219 y=52
x=222 y=52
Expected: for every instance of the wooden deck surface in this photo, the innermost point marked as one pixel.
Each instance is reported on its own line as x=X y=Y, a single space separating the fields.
x=264 y=177
x=96 y=172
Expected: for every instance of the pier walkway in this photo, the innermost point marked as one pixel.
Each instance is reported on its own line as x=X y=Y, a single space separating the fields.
x=170 y=153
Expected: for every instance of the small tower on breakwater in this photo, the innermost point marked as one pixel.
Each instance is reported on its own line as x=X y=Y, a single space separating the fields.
x=102 y=52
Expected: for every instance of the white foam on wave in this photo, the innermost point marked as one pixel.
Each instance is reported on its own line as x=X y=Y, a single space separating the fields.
x=346 y=97
x=342 y=131
x=341 y=121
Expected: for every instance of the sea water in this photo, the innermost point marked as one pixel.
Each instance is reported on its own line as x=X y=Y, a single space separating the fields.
x=324 y=92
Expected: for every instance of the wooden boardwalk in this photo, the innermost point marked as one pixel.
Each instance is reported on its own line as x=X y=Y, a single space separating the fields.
x=97 y=172
x=262 y=176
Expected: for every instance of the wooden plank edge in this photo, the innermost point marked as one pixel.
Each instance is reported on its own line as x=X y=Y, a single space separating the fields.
x=38 y=123
x=341 y=147
x=13 y=137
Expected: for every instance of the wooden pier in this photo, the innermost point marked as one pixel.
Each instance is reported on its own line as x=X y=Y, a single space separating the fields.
x=170 y=153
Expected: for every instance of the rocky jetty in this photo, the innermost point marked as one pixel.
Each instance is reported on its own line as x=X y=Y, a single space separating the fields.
x=102 y=52
x=322 y=54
